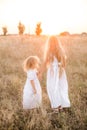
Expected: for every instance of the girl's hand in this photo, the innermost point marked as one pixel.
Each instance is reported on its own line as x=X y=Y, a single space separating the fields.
x=35 y=91
x=42 y=70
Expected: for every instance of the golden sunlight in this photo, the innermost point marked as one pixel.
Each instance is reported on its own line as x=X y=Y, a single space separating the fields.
x=55 y=15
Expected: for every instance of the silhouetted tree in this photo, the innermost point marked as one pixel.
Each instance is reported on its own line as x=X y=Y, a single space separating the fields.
x=21 y=28
x=38 y=29
x=4 y=30
x=83 y=34
x=64 y=34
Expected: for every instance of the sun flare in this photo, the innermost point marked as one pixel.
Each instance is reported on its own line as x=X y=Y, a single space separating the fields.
x=55 y=16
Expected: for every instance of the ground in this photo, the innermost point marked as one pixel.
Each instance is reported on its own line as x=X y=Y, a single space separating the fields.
x=13 y=51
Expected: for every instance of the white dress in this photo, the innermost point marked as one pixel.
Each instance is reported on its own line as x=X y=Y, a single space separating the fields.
x=57 y=88
x=31 y=100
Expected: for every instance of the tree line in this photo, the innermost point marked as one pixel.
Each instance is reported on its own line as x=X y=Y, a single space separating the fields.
x=21 y=29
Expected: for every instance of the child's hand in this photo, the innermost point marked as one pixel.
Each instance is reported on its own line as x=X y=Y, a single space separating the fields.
x=35 y=91
x=38 y=74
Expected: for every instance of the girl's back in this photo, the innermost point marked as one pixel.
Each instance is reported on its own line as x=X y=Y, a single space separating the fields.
x=57 y=85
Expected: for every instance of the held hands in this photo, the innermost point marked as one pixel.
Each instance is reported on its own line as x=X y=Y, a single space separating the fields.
x=40 y=76
x=41 y=71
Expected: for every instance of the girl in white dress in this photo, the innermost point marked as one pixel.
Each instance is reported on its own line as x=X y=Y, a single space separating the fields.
x=57 y=86
x=32 y=93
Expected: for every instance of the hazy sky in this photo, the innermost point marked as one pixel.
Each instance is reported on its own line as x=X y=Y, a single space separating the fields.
x=55 y=15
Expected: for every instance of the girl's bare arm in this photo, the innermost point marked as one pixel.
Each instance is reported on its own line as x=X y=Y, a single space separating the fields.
x=41 y=70
x=33 y=86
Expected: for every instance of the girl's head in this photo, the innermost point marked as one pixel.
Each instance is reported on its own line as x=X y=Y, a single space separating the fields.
x=31 y=62
x=54 y=48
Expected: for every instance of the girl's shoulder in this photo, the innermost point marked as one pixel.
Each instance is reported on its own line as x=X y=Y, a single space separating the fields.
x=30 y=71
x=33 y=71
x=31 y=74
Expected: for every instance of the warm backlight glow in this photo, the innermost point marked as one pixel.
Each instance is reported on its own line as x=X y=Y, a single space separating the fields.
x=55 y=15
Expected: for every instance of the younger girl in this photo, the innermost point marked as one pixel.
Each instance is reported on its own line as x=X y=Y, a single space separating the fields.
x=32 y=94
x=57 y=86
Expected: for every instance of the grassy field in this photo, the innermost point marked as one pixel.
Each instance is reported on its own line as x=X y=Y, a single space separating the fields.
x=13 y=51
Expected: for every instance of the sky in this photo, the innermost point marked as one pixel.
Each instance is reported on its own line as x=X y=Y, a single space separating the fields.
x=56 y=16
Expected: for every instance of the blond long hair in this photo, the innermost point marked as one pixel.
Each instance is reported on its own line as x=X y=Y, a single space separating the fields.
x=54 y=48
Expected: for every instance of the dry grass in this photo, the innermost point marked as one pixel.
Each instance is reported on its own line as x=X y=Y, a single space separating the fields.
x=13 y=51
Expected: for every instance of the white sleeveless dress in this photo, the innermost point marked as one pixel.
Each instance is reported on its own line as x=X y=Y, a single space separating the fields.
x=31 y=100
x=57 y=88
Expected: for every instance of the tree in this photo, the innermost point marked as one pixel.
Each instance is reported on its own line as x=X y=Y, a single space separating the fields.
x=4 y=30
x=83 y=34
x=65 y=34
x=38 y=29
x=21 y=28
